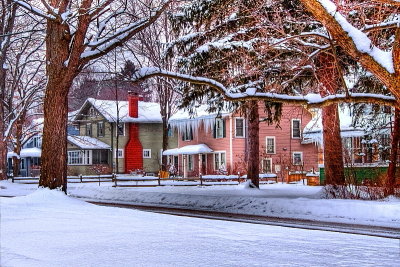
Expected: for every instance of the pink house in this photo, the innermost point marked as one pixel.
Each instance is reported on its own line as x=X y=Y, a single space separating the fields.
x=212 y=143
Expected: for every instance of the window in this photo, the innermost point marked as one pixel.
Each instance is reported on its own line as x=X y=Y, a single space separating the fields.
x=297 y=158
x=170 y=131
x=187 y=134
x=270 y=142
x=219 y=161
x=89 y=129
x=267 y=165
x=79 y=157
x=121 y=128
x=219 y=129
x=239 y=127
x=35 y=142
x=92 y=112
x=190 y=162
x=22 y=164
x=147 y=153
x=296 y=128
x=119 y=153
x=100 y=129
x=100 y=157
x=387 y=109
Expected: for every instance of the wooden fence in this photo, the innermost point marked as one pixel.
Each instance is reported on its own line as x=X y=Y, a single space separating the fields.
x=149 y=181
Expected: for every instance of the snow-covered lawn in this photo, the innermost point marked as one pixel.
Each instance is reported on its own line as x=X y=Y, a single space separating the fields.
x=277 y=200
x=47 y=228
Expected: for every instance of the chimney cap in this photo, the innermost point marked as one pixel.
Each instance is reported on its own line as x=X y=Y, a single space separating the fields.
x=133 y=93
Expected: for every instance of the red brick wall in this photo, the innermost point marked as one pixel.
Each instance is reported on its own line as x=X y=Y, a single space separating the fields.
x=133 y=149
x=133 y=100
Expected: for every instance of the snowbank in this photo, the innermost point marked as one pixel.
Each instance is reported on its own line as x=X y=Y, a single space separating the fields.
x=48 y=228
x=277 y=200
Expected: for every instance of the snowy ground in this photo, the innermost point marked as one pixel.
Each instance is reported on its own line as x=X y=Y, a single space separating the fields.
x=47 y=228
x=277 y=200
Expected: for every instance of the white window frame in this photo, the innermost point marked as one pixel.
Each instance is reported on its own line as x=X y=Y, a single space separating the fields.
x=190 y=162
x=266 y=144
x=84 y=157
x=219 y=126
x=116 y=153
x=270 y=164
x=89 y=126
x=244 y=127
x=292 y=129
x=301 y=158
x=103 y=127
x=147 y=151
x=219 y=155
x=116 y=129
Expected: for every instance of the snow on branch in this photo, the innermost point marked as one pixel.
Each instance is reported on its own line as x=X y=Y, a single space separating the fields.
x=101 y=46
x=360 y=39
x=310 y=100
x=33 y=9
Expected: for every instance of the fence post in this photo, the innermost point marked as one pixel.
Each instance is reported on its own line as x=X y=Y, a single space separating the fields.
x=99 y=179
x=80 y=177
x=115 y=179
x=159 y=178
x=201 y=179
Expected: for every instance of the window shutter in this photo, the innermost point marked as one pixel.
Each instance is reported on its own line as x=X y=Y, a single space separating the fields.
x=215 y=129
x=223 y=128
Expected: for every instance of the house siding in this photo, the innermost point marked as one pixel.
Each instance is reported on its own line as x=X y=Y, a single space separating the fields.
x=236 y=147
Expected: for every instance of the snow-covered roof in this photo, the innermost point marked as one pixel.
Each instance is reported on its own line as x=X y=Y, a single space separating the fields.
x=32 y=152
x=71 y=115
x=148 y=112
x=188 y=150
x=87 y=142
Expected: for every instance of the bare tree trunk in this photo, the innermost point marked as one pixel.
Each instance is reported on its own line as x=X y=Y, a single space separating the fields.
x=7 y=19
x=54 y=145
x=18 y=144
x=333 y=154
x=253 y=166
x=327 y=72
x=3 y=143
x=391 y=172
x=164 y=142
x=54 y=155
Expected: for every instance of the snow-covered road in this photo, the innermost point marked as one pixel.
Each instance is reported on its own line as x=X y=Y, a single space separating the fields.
x=48 y=228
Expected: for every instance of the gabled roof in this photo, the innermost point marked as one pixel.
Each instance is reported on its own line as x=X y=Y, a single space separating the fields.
x=87 y=142
x=148 y=112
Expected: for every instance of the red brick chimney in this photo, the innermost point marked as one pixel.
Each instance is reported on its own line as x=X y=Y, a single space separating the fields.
x=133 y=102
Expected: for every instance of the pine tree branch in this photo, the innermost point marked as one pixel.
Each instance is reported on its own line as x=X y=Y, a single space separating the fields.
x=309 y=100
